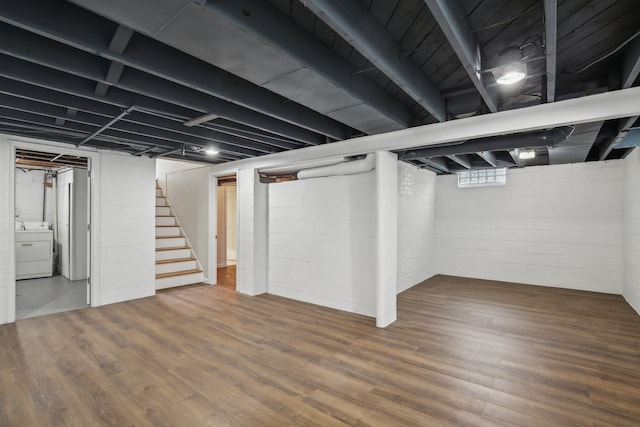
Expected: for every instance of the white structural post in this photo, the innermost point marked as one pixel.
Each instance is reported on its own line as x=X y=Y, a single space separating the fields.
x=251 y=276
x=387 y=237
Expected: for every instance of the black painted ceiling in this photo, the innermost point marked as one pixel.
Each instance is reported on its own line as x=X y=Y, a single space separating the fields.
x=256 y=77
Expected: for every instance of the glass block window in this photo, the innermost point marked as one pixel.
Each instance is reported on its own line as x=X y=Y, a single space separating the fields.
x=482 y=178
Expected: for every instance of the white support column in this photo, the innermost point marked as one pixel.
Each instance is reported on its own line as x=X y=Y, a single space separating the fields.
x=7 y=260
x=251 y=276
x=387 y=240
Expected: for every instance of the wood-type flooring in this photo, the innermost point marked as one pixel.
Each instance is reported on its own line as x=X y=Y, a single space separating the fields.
x=463 y=352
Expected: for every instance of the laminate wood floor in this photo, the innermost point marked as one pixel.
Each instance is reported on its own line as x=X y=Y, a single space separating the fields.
x=227 y=276
x=462 y=353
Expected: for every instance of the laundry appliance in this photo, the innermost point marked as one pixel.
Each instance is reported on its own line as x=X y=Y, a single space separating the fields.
x=34 y=250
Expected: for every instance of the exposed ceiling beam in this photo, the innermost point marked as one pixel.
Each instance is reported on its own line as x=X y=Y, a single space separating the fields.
x=615 y=104
x=46 y=129
x=118 y=44
x=631 y=64
x=550 y=37
x=461 y=159
x=199 y=120
x=71 y=112
x=438 y=164
x=488 y=157
x=106 y=125
x=455 y=25
x=494 y=143
x=515 y=155
x=282 y=33
x=54 y=98
x=353 y=22
x=630 y=72
x=32 y=48
x=101 y=89
x=623 y=127
x=241 y=147
x=120 y=39
x=172 y=122
x=158 y=59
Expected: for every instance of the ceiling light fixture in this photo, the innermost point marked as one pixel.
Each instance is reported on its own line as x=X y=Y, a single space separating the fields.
x=527 y=155
x=211 y=151
x=510 y=69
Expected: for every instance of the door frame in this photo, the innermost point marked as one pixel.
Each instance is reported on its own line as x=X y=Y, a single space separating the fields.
x=213 y=225
x=94 y=213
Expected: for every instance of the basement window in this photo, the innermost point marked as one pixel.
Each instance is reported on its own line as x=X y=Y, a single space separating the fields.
x=482 y=178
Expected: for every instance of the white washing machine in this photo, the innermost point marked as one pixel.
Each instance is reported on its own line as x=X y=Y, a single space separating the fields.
x=34 y=250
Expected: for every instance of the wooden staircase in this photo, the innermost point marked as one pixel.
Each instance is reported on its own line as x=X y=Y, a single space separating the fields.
x=176 y=264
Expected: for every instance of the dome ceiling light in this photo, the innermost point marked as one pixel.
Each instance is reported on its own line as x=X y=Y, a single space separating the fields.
x=510 y=67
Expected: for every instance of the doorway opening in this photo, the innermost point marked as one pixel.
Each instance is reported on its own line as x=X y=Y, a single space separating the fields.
x=227 y=230
x=52 y=237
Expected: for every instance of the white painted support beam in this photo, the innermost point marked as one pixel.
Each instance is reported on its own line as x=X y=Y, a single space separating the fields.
x=252 y=233
x=387 y=237
x=605 y=106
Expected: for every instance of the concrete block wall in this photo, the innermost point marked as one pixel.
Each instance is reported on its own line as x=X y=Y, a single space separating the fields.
x=251 y=273
x=551 y=225
x=126 y=230
x=631 y=287
x=30 y=194
x=416 y=225
x=322 y=243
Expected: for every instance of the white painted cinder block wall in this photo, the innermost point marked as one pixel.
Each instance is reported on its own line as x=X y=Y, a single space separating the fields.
x=631 y=288
x=416 y=225
x=126 y=227
x=29 y=197
x=123 y=228
x=322 y=244
x=556 y=226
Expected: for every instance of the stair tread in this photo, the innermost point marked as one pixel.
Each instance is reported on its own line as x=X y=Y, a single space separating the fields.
x=172 y=248
x=177 y=273
x=170 y=261
x=168 y=237
x=165 y=216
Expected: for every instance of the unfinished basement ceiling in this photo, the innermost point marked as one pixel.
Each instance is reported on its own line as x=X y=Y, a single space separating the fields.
x=172 y=78
x=48 y=161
